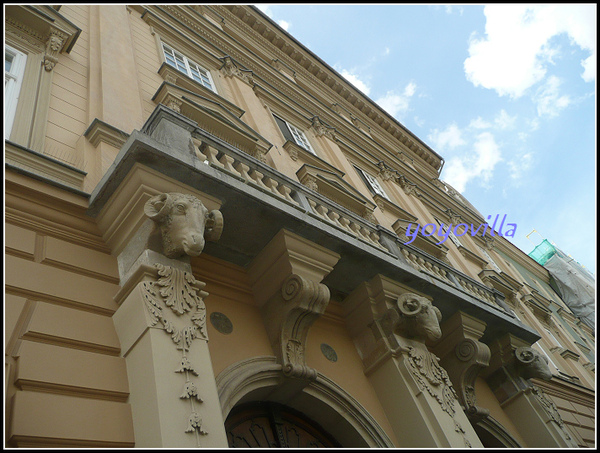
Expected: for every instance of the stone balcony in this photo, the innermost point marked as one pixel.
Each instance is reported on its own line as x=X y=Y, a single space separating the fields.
x=257 y=202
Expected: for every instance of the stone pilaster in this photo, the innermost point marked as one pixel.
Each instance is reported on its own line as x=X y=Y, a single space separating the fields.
x=390 y=324
x=512 y=366
x=153 y=225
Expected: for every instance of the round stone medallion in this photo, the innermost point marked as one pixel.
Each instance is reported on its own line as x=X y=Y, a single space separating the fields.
x=221 y=322
x=328 y=352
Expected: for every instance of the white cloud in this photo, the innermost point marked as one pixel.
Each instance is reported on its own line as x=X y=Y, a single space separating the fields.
x=515 y=52
x=397 y=104
x=520 y=165
x=504 y=121
x=480 y=164
x=266 y=9
x=448 y=139
x=479 y=123
x=549 y=101
x=354 y=80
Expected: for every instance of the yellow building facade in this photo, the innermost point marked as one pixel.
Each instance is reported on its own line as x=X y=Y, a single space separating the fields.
x=206 y=246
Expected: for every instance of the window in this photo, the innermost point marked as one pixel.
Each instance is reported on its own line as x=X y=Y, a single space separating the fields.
x=188 y=67
x=293 y=134
x=14 y=66
x=451 y=235
x=372 y=183
x=553 y=338
x=553 y=367
x=490 y=259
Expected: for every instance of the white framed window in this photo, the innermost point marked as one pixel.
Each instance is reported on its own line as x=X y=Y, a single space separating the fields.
x=14 y=67
x=188 y=67
x=490 y=259
x=553 y=367
x=451 y=235
x=293 y=134
x=373 y=183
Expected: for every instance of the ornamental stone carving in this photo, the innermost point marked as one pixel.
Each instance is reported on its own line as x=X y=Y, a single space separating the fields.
x=53 y=46
x=532 y=364
x=230 y=69
x=321 y=129
x=418 y=319
x=183 y=224
x=306 y=301
x=180 y=292
x=386 y=172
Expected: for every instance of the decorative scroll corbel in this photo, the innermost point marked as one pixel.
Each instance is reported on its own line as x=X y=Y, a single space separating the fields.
x=304 y=301
x=473 y=356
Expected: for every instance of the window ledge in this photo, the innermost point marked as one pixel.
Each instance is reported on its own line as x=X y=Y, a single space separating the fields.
x=172 y=75
x=212 y=113
x=297 y=152
x=331 y=185
x=44 y=166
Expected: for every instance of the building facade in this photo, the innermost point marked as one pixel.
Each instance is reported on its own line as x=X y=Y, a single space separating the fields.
x=207 y=246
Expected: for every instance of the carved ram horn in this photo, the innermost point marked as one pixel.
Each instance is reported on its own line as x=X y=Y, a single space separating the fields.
x=157 y=207
x=525 y=355
x=409 y=305
x=214 y=225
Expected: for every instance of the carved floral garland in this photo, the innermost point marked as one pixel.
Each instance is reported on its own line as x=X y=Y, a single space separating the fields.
x=430 y=376
x=178 y=290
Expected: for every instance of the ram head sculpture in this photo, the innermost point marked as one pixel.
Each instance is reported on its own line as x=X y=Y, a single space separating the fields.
x=418 y=319
x=532 y=364
x=183 y=223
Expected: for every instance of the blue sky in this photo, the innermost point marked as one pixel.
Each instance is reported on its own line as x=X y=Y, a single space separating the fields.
x=506 y=94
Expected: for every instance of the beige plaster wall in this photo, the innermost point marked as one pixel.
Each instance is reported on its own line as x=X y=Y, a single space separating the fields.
x=230 y=294
x=66 y=384
x=67 y=113
x=147 y=60
x=347 y=370
x=487 y=400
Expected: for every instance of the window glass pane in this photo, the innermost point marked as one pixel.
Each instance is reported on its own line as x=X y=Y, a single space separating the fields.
x=8 y=60
x=490 y=260
x=284 y=129
x=300 y=138
x=451 y=235
x=373 y=184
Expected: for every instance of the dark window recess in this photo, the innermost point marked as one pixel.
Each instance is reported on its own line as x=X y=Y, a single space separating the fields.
x=284 y=129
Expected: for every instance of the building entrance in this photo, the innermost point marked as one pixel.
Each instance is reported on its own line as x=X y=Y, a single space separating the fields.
x=272 y=425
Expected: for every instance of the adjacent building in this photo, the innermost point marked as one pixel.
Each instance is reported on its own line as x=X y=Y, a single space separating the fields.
x=206 y=245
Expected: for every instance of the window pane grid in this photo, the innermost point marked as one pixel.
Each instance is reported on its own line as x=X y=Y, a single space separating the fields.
x=374 y=184
x=300 y=138
x=191 y=69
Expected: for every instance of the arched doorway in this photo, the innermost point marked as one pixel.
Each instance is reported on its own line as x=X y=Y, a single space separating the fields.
x=325 y=407
x=264 y=424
